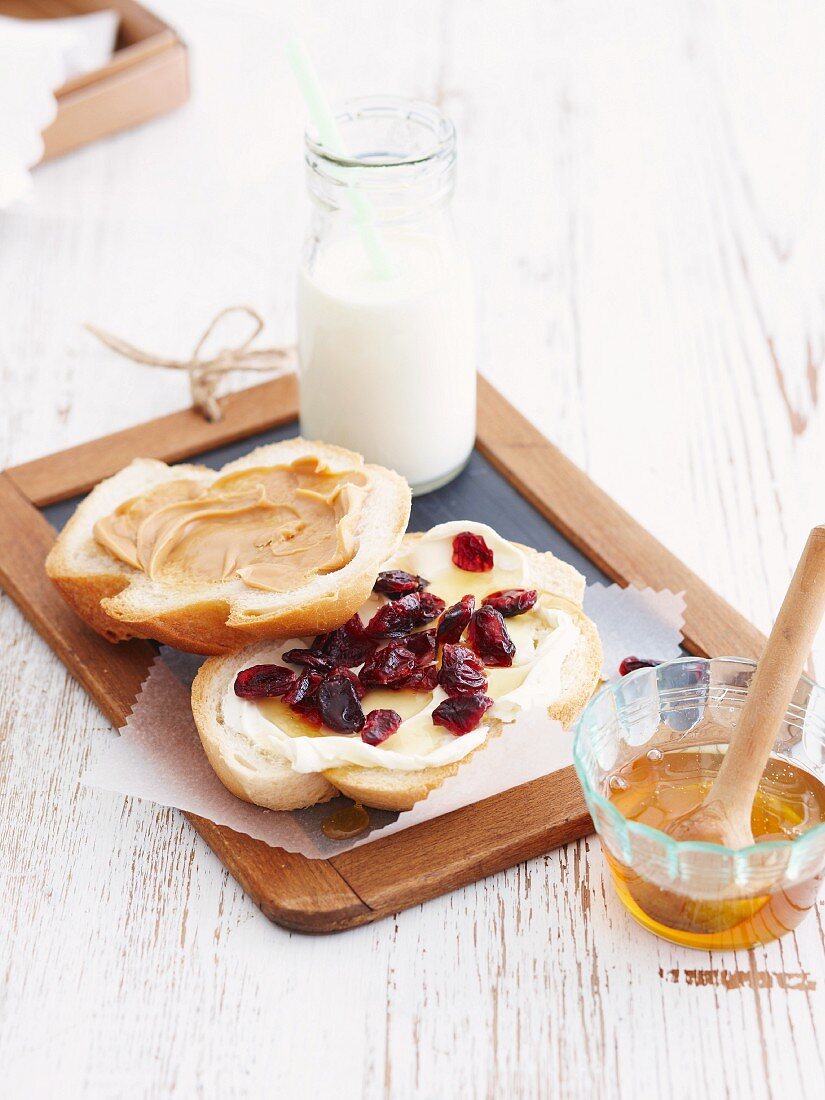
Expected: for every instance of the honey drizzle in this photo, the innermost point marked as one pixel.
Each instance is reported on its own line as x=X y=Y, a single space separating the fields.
x=346 y=823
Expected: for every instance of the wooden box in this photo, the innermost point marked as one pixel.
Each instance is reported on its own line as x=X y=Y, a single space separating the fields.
x=147 y=75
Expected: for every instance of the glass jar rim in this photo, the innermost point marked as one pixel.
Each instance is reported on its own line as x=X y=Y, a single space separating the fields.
x=387 y=106
x=740 y=855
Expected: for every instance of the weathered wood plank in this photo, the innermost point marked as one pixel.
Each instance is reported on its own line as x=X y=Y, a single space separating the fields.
x=647 y=242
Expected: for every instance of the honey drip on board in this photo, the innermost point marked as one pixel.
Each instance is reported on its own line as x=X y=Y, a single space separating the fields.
x=662 y=786
x=346 y=823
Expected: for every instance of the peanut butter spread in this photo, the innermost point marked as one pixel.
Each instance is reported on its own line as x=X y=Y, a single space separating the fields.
x=274 y=527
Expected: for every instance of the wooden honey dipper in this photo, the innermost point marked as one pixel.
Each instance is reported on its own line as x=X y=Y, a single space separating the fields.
x=724 y=815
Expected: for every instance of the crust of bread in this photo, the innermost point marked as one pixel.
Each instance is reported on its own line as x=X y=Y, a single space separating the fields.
x=382 y=788
x=121 y=602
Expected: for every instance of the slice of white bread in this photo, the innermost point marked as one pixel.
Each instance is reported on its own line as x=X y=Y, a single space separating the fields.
x=259 y=777
x=120 y=601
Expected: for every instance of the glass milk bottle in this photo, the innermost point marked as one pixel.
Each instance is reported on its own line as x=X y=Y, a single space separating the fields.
x=386 y=327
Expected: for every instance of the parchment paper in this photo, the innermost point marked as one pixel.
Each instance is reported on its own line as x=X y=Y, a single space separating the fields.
x=157 y=755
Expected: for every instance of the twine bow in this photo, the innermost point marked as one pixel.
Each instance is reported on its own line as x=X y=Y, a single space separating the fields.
x=204 y=374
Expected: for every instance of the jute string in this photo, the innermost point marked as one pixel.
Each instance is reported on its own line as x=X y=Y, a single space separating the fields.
x=204 y=374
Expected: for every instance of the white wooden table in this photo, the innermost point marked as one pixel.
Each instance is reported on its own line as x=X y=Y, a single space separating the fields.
x=643 y=189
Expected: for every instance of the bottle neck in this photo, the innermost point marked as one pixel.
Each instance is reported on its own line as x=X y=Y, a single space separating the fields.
x=398 y=166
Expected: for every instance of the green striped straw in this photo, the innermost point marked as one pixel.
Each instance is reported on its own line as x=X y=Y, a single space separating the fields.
x=330 y=135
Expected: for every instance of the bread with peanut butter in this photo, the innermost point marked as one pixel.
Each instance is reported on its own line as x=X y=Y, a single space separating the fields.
x=441 y=671
x=284 y=541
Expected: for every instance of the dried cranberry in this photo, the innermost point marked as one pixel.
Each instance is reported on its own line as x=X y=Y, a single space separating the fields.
x=455 y=619
x=360 y=690
x=396 y=582
x=309 y=659
x=431 y=608
x=511 y=601
x=397 y=618
x=488 y=636
x=422 y=644
x=304 y=692
x=387 y=666
x=461 y=714
x=379 y=725
x=471 y=553
x=347 y=646
x=339 y=705
x=263 y=681
x=630 y=664
x=420 y=679
x=461 y=672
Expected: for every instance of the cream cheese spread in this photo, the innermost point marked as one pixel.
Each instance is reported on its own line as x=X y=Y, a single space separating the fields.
x=543 y=637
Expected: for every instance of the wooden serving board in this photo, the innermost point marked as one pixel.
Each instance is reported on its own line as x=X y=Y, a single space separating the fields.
x=518 y=481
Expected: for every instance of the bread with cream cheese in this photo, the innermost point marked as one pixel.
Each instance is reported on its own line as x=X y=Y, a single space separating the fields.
x=120 y=600
x=384 y=789
x=258 y=775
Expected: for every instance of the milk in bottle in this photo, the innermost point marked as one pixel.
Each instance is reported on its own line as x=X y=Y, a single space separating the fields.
x=387 y=350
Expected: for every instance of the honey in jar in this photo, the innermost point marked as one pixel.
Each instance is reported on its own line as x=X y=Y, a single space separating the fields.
x=660 y=787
